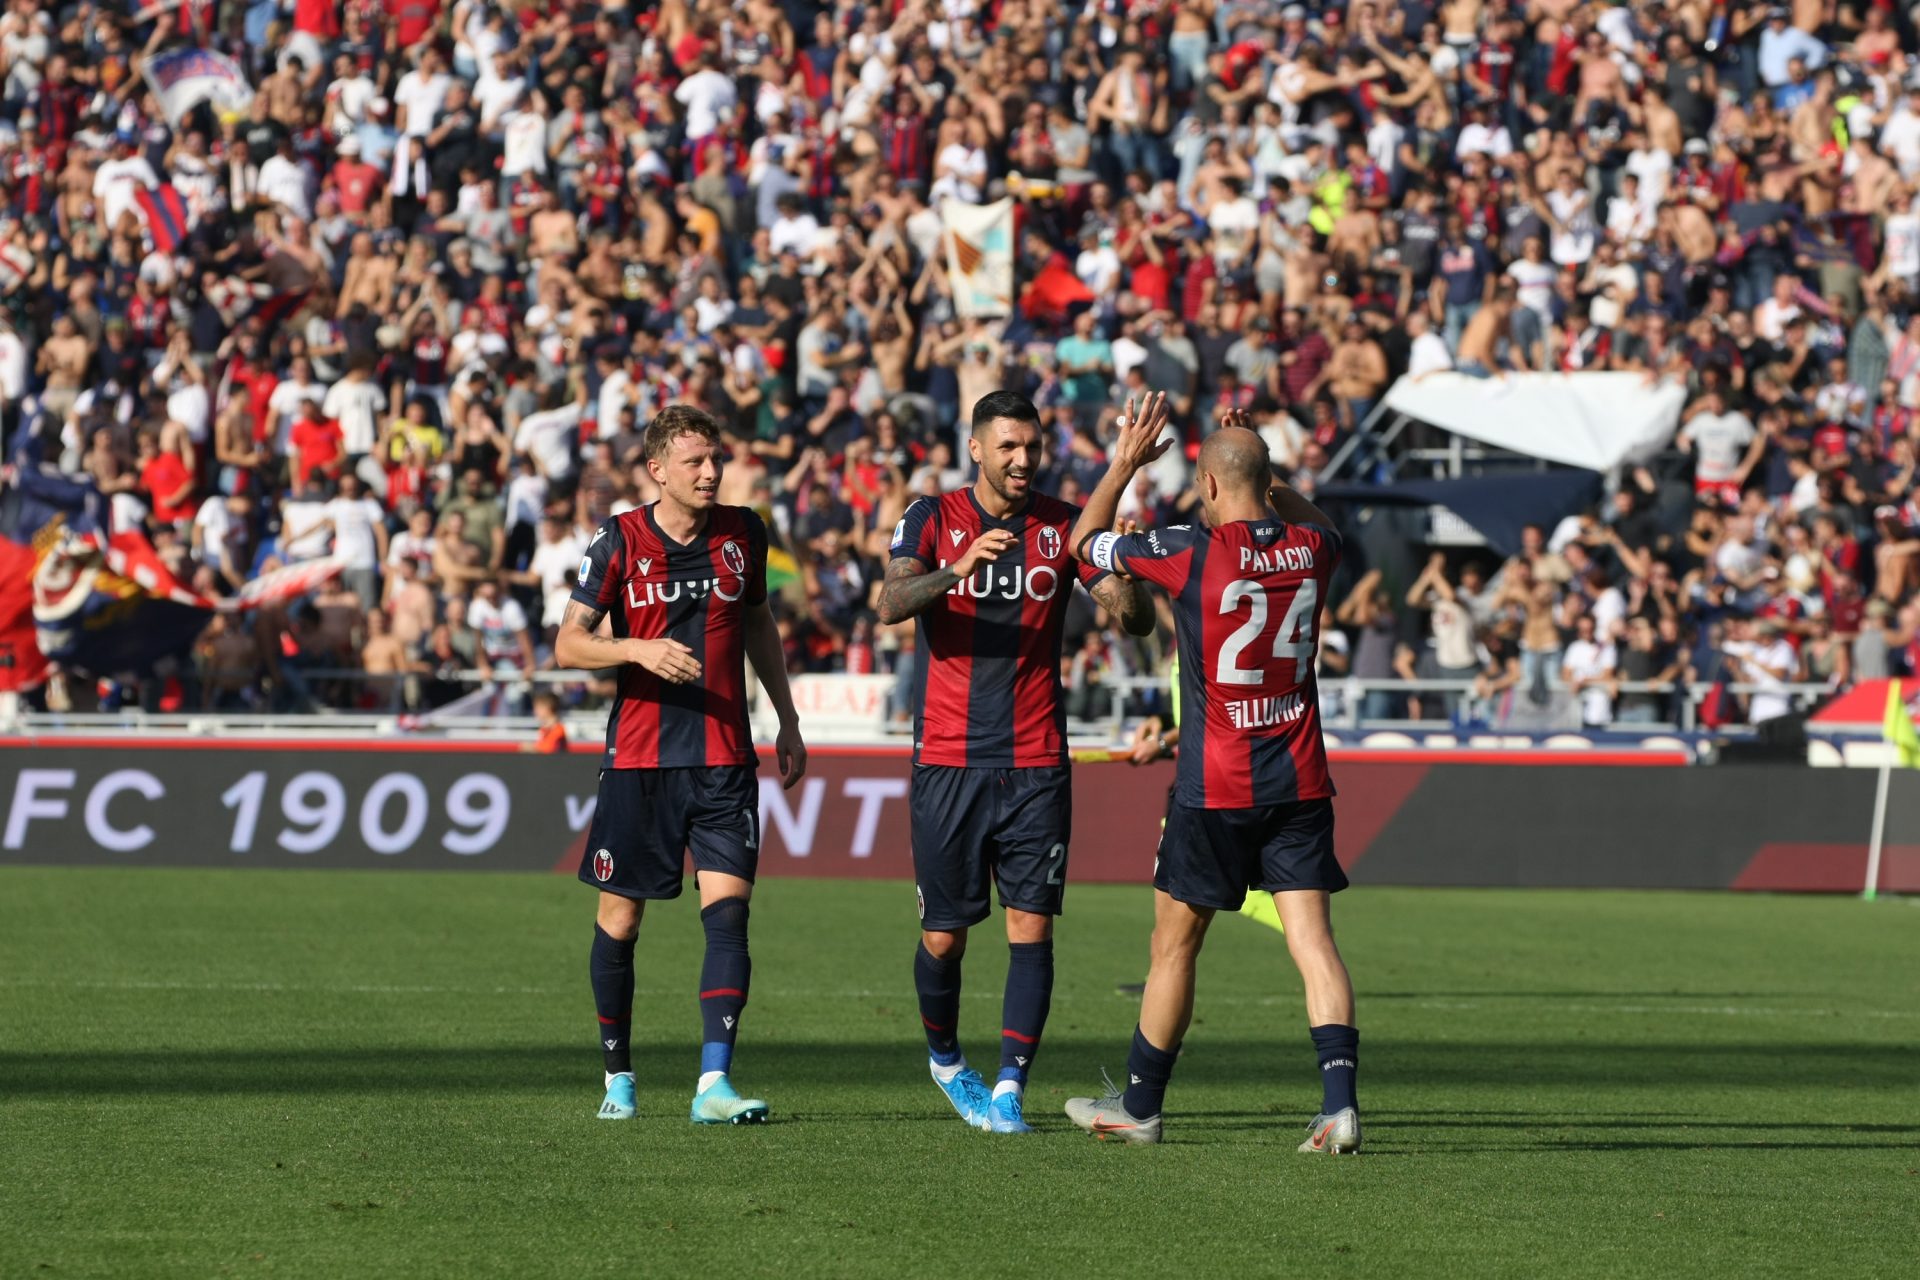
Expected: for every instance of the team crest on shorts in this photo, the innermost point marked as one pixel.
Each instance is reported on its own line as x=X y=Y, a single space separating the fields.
x=733 y=557
x=921 y=899
x=603 y=866
x=1049 y=543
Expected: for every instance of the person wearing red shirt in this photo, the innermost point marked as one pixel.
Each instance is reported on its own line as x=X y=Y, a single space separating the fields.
x=356 y=182
x=166 y=478
x=316 y=443
x=411 y=20
x=319 y=18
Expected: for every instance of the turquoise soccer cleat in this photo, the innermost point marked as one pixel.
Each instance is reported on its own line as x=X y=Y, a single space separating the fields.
x=1004 y=1114
x=967 y=1092
x=619 y=1103
x=718 y=1103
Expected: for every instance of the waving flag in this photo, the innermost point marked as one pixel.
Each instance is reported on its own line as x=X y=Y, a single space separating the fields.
x=236 y=299
x=166 y=215
x=182 y=79
x=97 y=602
x=979 y=256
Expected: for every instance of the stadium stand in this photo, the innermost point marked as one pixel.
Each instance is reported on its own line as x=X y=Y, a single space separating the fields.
x=410 y=306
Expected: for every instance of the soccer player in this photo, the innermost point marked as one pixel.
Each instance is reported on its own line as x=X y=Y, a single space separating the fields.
x=684 y=584
x=988 y=572
x=1252 y=801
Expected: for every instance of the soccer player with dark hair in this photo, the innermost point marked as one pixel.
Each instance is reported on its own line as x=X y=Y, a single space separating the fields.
x=682 y=585
x=988 y=572
x=1253 y=803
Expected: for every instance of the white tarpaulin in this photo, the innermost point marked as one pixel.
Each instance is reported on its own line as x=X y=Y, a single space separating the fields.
x=979 y=256
x=1592 y=420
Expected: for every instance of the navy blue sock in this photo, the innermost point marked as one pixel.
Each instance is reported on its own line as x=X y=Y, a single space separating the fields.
x=612 y=972
x=1148 y=1070
x=1023 y=1012
x=723 y=981
x=1339 y=1050
x=938 y=982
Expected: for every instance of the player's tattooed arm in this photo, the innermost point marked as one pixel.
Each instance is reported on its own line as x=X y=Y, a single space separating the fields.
x=579 y=645
x=910 y=586
x=1127 y=601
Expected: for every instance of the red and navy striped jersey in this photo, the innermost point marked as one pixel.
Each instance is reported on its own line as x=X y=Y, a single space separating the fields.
x=987 y=689
x=697 y=593
x=1247 y=602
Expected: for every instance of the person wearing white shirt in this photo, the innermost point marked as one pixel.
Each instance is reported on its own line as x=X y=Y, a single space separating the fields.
x=708 y=96
x=1771 y=316
x=349 y=96
x=213 y=524
x=523 y=146
x=359 y=538
x=549 y=438
x=1428 y=352
x=304 y=534
x=502 y=625
x=555 y=562
x=1630 y=220
x=712 y=308
x=963 y=173
x=1764 y=658
x=1654 y=168
x=284 y=181
x=284 y=404
x=1899 y=137
x=1098 y=266
x=616 y=393
x=356 y=403
x=418 y=97
x=1481 y=138
x=117 y=180
x=795 y=230
x=1719 y=440
x=1587 y=669
x=13 y=367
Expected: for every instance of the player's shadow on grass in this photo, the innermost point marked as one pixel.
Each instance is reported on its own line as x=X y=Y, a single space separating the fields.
x=1072 y=1061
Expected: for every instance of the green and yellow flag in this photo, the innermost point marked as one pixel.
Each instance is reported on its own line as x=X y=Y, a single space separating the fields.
x=1898 y=729
x=781 y=568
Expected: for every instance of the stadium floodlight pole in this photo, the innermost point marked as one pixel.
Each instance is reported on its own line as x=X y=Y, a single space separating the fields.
x=1872 y=890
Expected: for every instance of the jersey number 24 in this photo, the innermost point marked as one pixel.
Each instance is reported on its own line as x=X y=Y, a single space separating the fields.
x=1293 y=642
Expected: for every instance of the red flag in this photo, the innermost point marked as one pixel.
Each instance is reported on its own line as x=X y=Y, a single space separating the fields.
x=166 y=216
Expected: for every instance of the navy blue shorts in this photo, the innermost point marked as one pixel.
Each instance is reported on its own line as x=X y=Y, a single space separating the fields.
x=646 y=820
x=1211 y=857
x=979 y=829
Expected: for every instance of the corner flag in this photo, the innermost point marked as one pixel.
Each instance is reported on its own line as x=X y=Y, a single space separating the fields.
x=1899 y=730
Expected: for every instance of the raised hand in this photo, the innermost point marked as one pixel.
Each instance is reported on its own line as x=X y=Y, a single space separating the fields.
x=1141 y=427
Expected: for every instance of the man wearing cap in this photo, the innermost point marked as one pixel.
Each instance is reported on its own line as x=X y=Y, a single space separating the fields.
x=376 y=134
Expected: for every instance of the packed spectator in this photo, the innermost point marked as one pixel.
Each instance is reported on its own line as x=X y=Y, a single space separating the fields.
x=452 y=257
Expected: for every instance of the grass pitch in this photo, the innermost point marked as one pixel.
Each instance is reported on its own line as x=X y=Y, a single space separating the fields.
x=394 y=1074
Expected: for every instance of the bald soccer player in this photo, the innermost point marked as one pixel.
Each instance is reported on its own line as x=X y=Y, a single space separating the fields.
x=1253 y=802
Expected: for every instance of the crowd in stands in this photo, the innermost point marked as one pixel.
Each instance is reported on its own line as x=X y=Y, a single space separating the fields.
x=489 y=240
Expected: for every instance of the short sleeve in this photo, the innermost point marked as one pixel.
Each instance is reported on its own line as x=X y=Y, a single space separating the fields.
x=1160 y=556
x=598 y=580
x=1327 y=546
x=913 y=536
x=756 y=557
